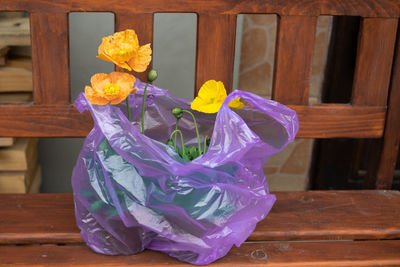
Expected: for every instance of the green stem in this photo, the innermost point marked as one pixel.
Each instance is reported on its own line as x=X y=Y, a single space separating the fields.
x=128 y=108
x=176 y=128
x=205 y=144
x=197 y=129
x=143 y=105
x=180 y=132
x=127 y=104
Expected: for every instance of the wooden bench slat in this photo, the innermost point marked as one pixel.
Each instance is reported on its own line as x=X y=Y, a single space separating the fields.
x=374 y=61
x=318 y=215
x=215 y=49
x=143 y=26
x=336 y=120
x=50 y=58
x=293 y=59
x=332 y=215
x=38 y=218
x=322 y=121
x=367 y=8
x=362 y=253
x=391 y=139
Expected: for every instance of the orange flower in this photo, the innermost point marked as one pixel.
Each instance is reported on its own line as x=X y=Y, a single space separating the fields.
x=110 y=88
x=123 y=49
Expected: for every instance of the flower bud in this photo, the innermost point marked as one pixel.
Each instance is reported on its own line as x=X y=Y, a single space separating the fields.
x=207 y=140
x=177 y=113
x=152 y=76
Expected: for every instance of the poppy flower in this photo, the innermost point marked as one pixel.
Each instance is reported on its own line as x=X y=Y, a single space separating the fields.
x=236 y=103
x=122 y=48
x=110 y=88
x=211 y=96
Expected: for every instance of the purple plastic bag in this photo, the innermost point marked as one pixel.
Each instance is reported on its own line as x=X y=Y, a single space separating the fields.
x=132 y=192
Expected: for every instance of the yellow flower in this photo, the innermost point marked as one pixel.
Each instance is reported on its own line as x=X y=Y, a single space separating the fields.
x=123 y=49
x=211 y=96
x=110 y=88
x=236 y=103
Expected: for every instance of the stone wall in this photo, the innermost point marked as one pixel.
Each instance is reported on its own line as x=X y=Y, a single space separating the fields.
x=288 y=170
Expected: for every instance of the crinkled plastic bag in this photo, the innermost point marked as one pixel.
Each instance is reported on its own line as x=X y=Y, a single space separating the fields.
x=132 y=191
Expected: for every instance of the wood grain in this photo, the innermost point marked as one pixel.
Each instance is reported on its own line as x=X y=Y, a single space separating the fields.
x=331 y=215
x=16 y=76
x=34 y=186
x=391 y=139
x=18 y=181
x=366 y=8
x=3 y=54
x=143 y=26
x=43 y=121
x=374 y=61
x=321 y=254
x=293 y=59
x=321 y=121
x=215 y=49
x=50 y=58
x=6 y=141
x=14 y=31
x=16 y=97
x=336 y=120
x=295 y=216
x=51 y=219
x=19 y=157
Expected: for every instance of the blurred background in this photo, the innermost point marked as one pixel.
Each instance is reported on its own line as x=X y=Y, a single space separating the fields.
x=45 y=165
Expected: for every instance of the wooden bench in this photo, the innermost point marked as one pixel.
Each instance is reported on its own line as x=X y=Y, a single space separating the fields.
x=316 y=228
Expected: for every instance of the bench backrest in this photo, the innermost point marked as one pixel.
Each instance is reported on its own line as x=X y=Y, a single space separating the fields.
x=372 y=113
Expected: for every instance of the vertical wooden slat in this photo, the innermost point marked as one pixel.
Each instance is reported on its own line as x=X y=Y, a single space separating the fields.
x=391 y=137
x=143 y=26
x=374 y=61
x=215 y=49
x=50 y=58
x=293 y=59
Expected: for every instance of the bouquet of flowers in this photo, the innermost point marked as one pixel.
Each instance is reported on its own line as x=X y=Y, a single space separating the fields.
x=162 y=173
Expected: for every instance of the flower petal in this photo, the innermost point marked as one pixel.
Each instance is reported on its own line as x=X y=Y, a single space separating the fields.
x=119 y=48
x=105 y=53
x=203 y=106
x=125 y=81
x=94 y=98
x=213 y=90
x=127 y=37
x=99 y=82
x=110 y=59
x=121 y=97
x=236 y=103
x=197 y=104
x=210 y=97
x=100 y=50
x=141 y=59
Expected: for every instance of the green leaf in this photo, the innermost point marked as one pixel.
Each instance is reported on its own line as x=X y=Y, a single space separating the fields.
x=192 y=151
x=186 y=157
